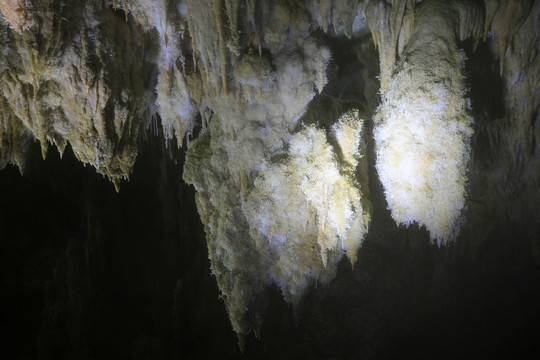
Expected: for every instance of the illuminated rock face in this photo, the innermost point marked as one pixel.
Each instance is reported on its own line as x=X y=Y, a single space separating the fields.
x=251 y=162
x=252 y=241
x=282 y=195
x=422 y=127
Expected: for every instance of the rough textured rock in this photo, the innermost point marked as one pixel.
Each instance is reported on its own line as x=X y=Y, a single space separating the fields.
x=84 y=87
x=19 y=14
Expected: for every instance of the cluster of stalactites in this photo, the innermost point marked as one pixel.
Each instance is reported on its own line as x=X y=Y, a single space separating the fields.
x=338 y=14
x=174 y=103
x=71 y=82
x=390 y=22
x=250 y=68
x=190 y=68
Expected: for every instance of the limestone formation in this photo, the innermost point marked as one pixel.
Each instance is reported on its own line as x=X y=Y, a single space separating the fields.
x=282 y=188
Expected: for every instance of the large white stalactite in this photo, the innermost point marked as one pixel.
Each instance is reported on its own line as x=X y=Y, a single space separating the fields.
x=422 y=127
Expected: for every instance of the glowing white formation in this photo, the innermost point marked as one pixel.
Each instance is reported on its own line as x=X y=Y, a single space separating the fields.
x=245 y=132
x=324 y=216
x=422 y=129
x=422 y=156
x=249 y=165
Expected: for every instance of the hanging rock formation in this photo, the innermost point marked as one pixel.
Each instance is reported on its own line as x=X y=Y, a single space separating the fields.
x=422 y=127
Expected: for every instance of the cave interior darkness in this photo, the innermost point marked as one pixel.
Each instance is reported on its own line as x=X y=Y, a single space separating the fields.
x=89 y=273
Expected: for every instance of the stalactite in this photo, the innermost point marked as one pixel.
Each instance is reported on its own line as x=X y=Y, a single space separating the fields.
x=422 y=127
x=210 y=42
x=386 y=21
x=15 y=138
x=233 y=7
x=174 y=103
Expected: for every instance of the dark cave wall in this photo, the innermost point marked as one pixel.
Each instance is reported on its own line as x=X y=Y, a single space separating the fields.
x=91 y=274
